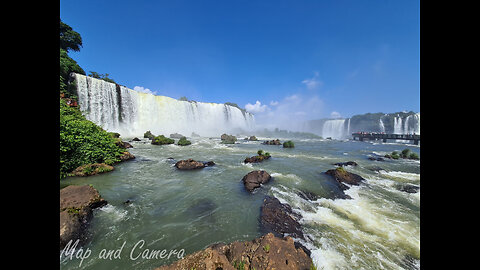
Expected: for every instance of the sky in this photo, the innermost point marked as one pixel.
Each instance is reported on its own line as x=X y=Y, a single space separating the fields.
x=302 y=59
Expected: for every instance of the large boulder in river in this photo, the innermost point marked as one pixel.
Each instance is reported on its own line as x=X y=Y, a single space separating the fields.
x=228 y=139
x=279 y=218
x=92 y=169
x=265 y=252
x=190 y=164
x=273 y=142
x=76 y=205
x=342 y=176
x=254 y=179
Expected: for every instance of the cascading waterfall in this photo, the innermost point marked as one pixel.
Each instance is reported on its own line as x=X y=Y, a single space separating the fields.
x=334 y=129
x=382 y=126
x=397 y=125
x=120 y=109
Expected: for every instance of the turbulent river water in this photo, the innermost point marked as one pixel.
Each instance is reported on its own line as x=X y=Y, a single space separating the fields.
x=379 y=228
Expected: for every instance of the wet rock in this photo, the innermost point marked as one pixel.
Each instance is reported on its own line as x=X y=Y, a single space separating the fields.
x=273 y=142
x=76 y=205
x=307 y=195
x=228 y=139
x=279 y=218
x=265 y=252
x=191 y=164
x=256 y=159
x=254 y=179
x=409 y=188
x=201 y=207
x=348 y=163
x=136 y=139
x=376 y=158
x=342 y=176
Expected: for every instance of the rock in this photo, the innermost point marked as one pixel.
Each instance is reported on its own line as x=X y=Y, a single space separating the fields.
x=136 y=139
x=126 y=156
x=273 y=142
x=342 y=176
x=253 y=138
x=92 y=169
x=76 y=205
x=176 y=136
x=279 y=218
x=265 y=252
x=126 y=145
x=161 y=140
x=307 y=195
x=254 y=179
x=148 y=135
x=228 y=139
x=256 y=159
x=376 y=158
x=191 y=164
x=348 y=163
x=409 y=188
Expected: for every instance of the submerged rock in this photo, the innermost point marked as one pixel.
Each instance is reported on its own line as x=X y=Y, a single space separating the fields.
x=265 y=252
x=254 y=179
x=409 y=188
x=348 y=163
x=256 y=159
x=76 y=205
x=279 y=218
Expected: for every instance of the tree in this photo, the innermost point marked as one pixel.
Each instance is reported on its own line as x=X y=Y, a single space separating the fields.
x=69 y=39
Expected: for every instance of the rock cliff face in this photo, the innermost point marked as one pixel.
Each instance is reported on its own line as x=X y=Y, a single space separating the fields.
x=265 y=252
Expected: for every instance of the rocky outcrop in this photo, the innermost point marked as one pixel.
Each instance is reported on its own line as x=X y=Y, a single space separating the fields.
x=279 y=218
x=76 y=205
x=409 y=188
x=91 y=169
x=126 y=156
x=190 y=164
x=256 y=159
x=228 y=139
x=265 y=252
x=254 y=179
x=342 y=176
x=273 y=142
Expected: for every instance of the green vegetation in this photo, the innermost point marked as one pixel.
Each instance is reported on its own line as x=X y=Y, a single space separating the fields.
x=228 y=139
x=161 y=140
x=260 y=152
x=149 y=135
x=266 y=248
x=82 y=142
x=288 y=144
x=239 y=265
x=267 y=154
x=183 y=141
x=406 y=154
x=313 y=267
x=104 y=77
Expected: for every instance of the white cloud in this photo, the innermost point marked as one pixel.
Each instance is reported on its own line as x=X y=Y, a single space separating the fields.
x=273 y=103
x=313 y=83
x=256 y=108
x=143 y=90
x=335 y=114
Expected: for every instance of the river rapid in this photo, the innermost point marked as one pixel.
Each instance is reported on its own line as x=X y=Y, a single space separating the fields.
x=173 y=210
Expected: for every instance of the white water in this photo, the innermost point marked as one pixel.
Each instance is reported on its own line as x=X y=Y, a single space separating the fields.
x=408 y=125
x=382 y=126
x=131 y=113
x=334 y=129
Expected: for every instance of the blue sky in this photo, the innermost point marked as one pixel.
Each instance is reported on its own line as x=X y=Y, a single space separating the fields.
x=311 y=59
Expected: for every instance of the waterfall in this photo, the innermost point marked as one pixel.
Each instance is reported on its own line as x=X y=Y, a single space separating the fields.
x=120 y=109
x=382 y=126
x=334 y=129
x=397 y=125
